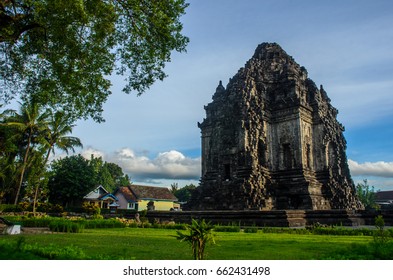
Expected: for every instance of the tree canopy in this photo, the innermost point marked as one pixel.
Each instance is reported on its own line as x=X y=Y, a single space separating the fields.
x=184 y=194
x=366 y=194
x=74 y=176
x=71 y=179
x=27 y=139
x=60 y=52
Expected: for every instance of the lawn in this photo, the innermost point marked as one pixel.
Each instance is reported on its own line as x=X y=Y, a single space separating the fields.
x=160 y=244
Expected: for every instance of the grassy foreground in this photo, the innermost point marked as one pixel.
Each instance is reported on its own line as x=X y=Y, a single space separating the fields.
x=150 y=244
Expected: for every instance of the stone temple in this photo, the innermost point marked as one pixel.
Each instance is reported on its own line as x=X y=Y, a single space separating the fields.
x=271 y=141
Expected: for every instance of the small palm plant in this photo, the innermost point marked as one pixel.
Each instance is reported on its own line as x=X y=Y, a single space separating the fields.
x=198 y=236
x=381 y=236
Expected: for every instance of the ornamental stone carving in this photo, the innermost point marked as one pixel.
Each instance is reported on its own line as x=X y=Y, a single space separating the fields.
x=271 y=140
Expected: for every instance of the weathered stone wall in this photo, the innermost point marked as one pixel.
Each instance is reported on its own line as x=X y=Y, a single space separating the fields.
x=276 y=218
x=271 y=140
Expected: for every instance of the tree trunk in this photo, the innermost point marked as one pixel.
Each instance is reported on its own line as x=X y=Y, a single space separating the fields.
x=36 y=189
x=22 y=173
x=35 y=199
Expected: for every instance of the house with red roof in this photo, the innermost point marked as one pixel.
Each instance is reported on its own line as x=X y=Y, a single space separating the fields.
x=138 y=198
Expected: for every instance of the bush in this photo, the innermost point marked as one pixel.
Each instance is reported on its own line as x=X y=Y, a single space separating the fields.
x=381 y=236
x=102 y=223
x=26 y=206
x=251 y=230
x=227 y=228
x=62 y=225
x=57 y=208
x=285 y=230
x=91 y=209
x=36 y=222
x=11 y=208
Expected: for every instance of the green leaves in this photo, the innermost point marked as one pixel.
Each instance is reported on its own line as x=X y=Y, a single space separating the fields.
x=184 y=194
x=27 y=138
x=366 y=195
x=199 y=235
x=70 y=180
x=74 y=176
x=60 y=53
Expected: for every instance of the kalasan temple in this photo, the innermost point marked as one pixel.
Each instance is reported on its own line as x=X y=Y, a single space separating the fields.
x=271 y=141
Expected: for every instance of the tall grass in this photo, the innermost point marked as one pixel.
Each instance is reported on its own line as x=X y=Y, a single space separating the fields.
x=66 y=226
x=24 y=251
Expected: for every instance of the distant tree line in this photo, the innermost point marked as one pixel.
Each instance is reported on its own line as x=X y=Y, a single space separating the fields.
x=366 y=195
x=73 y=177
x=183 y=194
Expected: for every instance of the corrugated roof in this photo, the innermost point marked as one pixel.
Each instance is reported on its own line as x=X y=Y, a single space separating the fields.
x=384 y=195
x=136 y=192
x=127 y=193
x=148 y=192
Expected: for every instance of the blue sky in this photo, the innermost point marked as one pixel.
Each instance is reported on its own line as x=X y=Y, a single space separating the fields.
x=345 y=45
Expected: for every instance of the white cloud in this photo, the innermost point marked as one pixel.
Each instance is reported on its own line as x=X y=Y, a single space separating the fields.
x=166 y=165
x=377 y=169
x=87 y=153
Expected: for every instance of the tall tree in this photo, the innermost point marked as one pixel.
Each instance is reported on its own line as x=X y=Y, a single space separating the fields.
x=36 y=177
x=117 y=174
x=108 y=174
x=71 y=178
x=61 y=52
x=30 y=123
x=9 y=143
x=56 y=136
x=184 y=194
x=174 y=188
x=58 y=133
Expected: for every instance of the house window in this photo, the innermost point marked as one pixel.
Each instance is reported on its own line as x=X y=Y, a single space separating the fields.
x=131 y=205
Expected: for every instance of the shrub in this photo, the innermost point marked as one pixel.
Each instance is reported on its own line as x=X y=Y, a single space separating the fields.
x=285 y=230
x=251 y=230
x=102 y=223
x=36 y=222
x=57 y=208
x=12 y=208
x=380 y=235
x=62 y=225
x=227 y=228
x=91 y=209
x=25 y=206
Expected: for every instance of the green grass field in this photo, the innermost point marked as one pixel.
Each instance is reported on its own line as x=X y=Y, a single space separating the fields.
x=160 y=244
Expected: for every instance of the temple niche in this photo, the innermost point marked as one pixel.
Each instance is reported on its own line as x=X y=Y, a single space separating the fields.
x=271 y=140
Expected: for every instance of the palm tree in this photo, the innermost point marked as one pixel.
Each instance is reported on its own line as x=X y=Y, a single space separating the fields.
x=199 y=235
x=56 y=136
x=7 y=154
x=30 y=123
